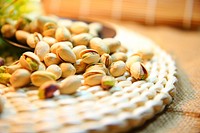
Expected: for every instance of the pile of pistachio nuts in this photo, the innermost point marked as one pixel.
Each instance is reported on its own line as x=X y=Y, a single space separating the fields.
x=64 y=50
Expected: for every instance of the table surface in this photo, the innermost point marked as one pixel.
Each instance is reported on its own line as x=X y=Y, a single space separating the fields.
x=183 y=114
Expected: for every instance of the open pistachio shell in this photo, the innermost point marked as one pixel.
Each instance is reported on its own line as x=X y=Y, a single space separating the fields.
x=80 y=66
x=67 y=69
x=132 y=59
x=79 y=27
x=49 y=40
x=90 y=56
x=33 y=39
x=21 y=36
x=78 y=49
x=55 y=69
x=41 y=49
x=4 y=78
x=117 y=68
x=112 y=43
x=62 y=34
x=82 y=39
x=13 y=67
x=106 y=59
x=107 y=82
x=50 y=59
x=117 y=56
x=55 y=46
x=138 y=71
x=49 y=29
x=98 y=66
x=40 y=77
x=20 y=78
x=70 y=84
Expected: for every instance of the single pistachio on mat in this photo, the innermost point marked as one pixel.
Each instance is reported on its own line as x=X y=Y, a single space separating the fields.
x=93 y=77
x=33 y=39
x=50 y=59
x=29 y=61
x=20 y=78
x=96 y=26
x=146 y=54
x=138 y=71
x=79 y=27
x=66 y=54
x=97 y=44
x=13 y=67
x=80 y=66
x=117 y=68
x=78 y=49
x=112 y=43
x=70 y=84
x=62 y=34
x=119 y=56
x=65 y=23
x=55 y=69
x=41 y=49
x=4 y=78
x=2 y=61
x=49 y=40
x=82 y=39
x=67 y=69
x=106 y=59
x=40 y=77
x=48 y=89
x=21 y=36
x=55 y=46
x=122 y=49
x=3 y=69
x=107 y=82
x=49 y=29
x=132 y=59
x=8 y=31
x=90 y=56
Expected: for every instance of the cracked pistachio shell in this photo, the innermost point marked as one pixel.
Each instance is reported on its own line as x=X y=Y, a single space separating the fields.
x=50 y=59
x=106 y=59
x=49 y=40
x=119 y=56
x=107 y=82
x=67 y=69
x=70 y=84
x=55 y=69
x=62 y=34
x=138 y=71
x=132 y=59
x=80 y=66
x=10 y=69
x=4 y=78
x=78 y=49
x=40 y=77
x=8 y=31
x=98 y=45
x=29 y=61
x=21 y=36
x=117 y=68
x=90 y=56
x=20 y=78
x=112 y=43
x=93 y=77
x=41 y=49
x=82 y=39
x=55 y=46
x=48 y=89
x=66 y=54
x=79 y=27
x=49 y=29
x=33 y=39
x=98 y=66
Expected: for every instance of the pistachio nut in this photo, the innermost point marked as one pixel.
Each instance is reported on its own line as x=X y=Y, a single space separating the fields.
x=138 y=71
x=98 y=66
x=8 y=31
x=97 y=44
x=55 y=69
x=55 y=46
x=81 y=39
x=41 y=49
x=50 y=59
x=21 y=36
x=13 y=67
x=65 y=23
x=20 y=78
x=42 y=67
x=40 y=77
x=49 y=29
x=80 y=66
x=65 y=53
x=146 y=54
x=23 y=24
x=112 y=43
x=29 y=61
x=62 y=34
x=107 y=82
x=33 y=39
x=70 y=84
x=67 y=69
x=4 y=78
x=96 y=26
x=79 y=27
x=49 y=40
x=34 y=27
x=48 y=89
x=122 y=49
x=132 y=59
x=90 y=56
x=93 y=77
x=117 y=68
x=106 y=59
x=42 y=20
x=119 y=56
x=78 y=49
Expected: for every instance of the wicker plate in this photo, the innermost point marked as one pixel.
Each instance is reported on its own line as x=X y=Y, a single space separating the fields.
x=92 y=109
